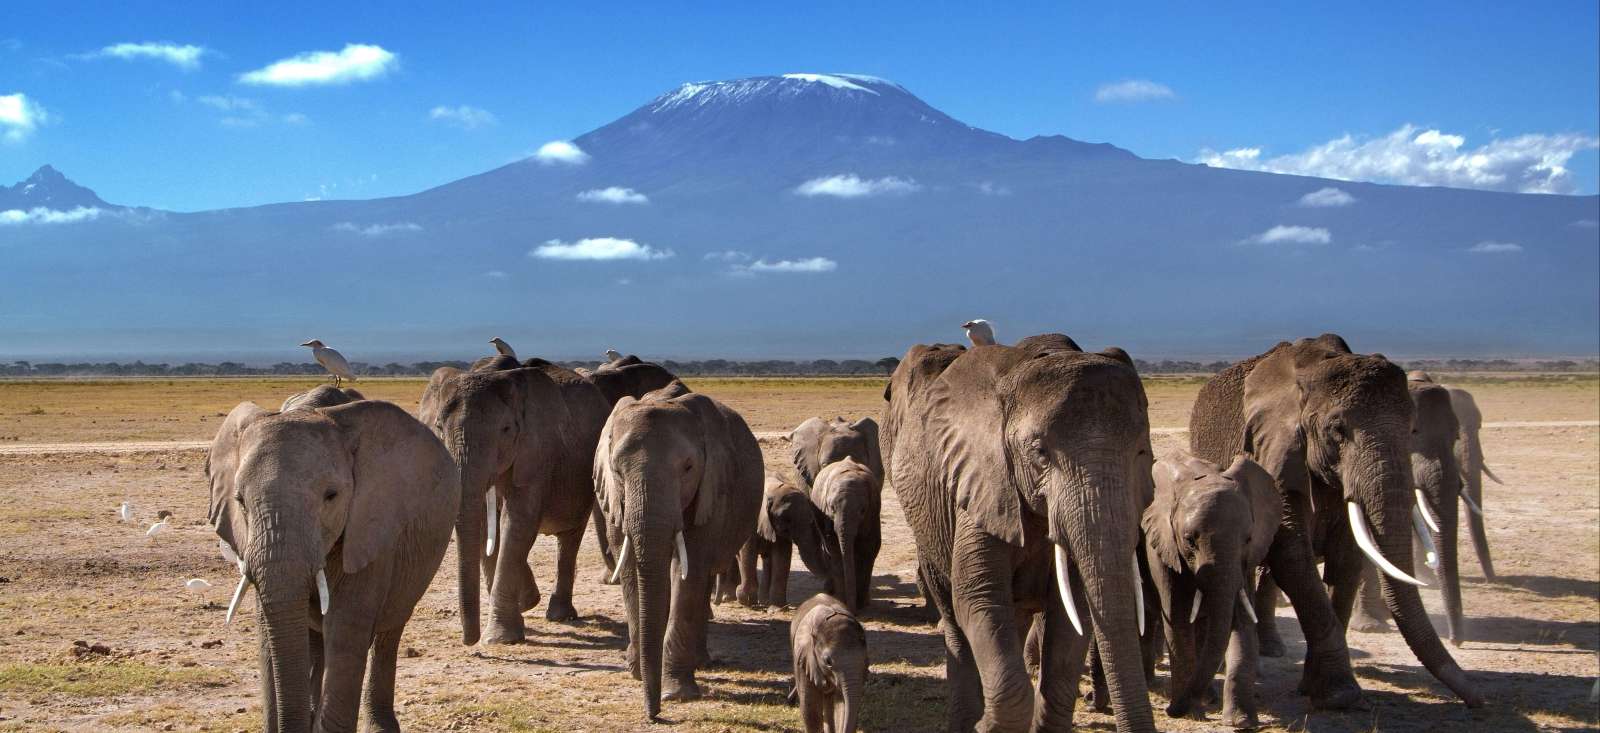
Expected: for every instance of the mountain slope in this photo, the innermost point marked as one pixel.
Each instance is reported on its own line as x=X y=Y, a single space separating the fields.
x=48 y=188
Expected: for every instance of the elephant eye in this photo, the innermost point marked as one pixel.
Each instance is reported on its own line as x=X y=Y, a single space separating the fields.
x=330 y=496
x=828 y=660
x=1338 y=431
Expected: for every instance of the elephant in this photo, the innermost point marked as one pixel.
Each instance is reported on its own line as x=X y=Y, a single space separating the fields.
x=340 y=517
x=628 y=376
x=816 y=443
x=1333 y=429
x=1022 y=471
x=679 y=477
x=1469 y=457
x=1206 y=532
x=325 y=395
x=522 y=438
x=829 y=647
x=848 y=496
x=786 y=520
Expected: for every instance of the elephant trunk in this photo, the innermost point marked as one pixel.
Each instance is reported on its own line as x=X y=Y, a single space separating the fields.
x=1472 y=470
x=849 y=527
x=1449 y=565
x=470 y=527
x=1220 y=586
x=282 y=560
x=852 y=686
x=652 y=557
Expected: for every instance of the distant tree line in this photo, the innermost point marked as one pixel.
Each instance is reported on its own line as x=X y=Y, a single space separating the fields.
x=696 y=368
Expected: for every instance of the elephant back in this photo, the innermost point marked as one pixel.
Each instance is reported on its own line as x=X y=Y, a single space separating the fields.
x=1216 y=423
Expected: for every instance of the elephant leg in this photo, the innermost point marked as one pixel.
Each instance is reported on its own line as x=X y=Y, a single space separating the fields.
x=1061 y=656
x=378 y=707
x=630 y=608
x=1370 y=614
x=561 y=608
x=1341 y=570
x=1099 y=693
x=1327 y=677
x=1239 y=688
x=1032 y=629
x=598 y=519
x=1266 y=604
x=750 y=581
x=1181 y=651
x=867 y=545
x=964 y=704
x=778 y=574
x=314 y=645
x=513 y=578
x=345 y=645
x=685 y=642
x=981 y=574
x=930 y=610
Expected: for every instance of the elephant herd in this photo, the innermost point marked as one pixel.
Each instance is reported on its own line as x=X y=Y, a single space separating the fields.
x=1047 y=532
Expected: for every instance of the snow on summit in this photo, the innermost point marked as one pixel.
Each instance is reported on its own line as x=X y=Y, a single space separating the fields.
x=840 y=81
x=739 y=90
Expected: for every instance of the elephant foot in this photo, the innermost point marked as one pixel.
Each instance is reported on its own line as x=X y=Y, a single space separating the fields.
x=506 y=632
x=560 y=609
x=1101 y=703
x=382 y=722
x=632 y=658
x=678 y=689
x=1240 y=720
x=605 y=578
x=1367 y=623
x=1272 y=646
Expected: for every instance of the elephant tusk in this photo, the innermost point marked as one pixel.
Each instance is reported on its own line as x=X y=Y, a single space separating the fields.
x=1427 y=514
x=322 y=591
x=1063 y=572
x=683 y=556
x=1363 y=534
x=1194 y=609
x=494 y=520
x=1138 y=593
x=1249 y=610
x=622 y=558
x=1419 y=522
x=238 y=595
x=1472 y=505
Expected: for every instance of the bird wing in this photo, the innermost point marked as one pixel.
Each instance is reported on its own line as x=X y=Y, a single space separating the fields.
x=334 y=362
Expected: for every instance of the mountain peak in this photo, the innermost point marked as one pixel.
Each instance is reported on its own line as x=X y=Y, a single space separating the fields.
x=790 y=86
x=51 y=189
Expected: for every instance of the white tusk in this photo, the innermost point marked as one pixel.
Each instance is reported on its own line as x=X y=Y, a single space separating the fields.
x=1063 y=572
x=322 y=590
x=1194 y=610
x=1358 y=527
x=238 y=595
x=622 y=558
x=1427 y=514
x=1138 y=593
x=1249 y=610
x=494 y=520
x=1419 y=522
x=1472 y=505
x=683 y=556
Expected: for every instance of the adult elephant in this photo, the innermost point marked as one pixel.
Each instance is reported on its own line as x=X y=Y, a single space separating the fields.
x=628 y=376
x=847 y=495
x=1334 y=430
x=523 y=438
x=1022 y=471
x=679 y=477
x=1469 y=458
x=340 y=516
x=325 y=395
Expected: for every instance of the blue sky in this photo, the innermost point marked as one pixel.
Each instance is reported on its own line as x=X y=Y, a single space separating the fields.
x=1242 y=85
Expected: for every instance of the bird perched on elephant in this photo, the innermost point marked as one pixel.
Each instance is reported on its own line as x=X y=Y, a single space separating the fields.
x=679 y=479
x=787 y=520
x=331 y=360
x=848 y=498
x=340 y=517
x=522 y=439
x=1206 y=532
x=829 y=649
x=1334 y=429
x=1022 y=473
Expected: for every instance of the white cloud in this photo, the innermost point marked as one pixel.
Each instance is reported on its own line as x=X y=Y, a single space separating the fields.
x=849 y=186
x=730 y=255
x=355 y=62
x=296 y=118
x=465 y=116
x=598 y=248
x=377 y=230
x=20 y=116
x=496 y=274
x=1288 y=234
x=1327 y=197
x=1495 y=248
x=186 y=57
x=1586 y=224
x=41 y=215
x=990 y=188
x=1533 y=163
x=561 y=152
x=807 y=265
x=1133 y=90
x=613 y=195
x=228 y=103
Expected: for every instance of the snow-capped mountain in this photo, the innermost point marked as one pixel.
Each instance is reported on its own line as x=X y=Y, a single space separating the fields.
x=47 y=188
x=810 y=215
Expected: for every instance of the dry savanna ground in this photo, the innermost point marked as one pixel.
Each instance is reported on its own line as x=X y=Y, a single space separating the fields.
x=97 y=631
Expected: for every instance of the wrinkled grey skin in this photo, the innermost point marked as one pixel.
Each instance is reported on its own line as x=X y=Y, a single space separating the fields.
x=787 y=520
x=530 y=432
x=999 y=455
x=848 y=496
x=830 y=664
x=629 y=376
x=670 y=462
x=1207 y=531
x=362 y=491
x=325 y=395
x=1469 y=457
x=1331 y=427
x=816 y=443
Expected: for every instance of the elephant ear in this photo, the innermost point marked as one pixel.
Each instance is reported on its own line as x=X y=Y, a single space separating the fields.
x=868 y=428
x=1171 y=475
x=608 y=489
x=764 y=528
x=400 y=473
x=803 y=443
x=717 y=472
x=222 y=465
x=1266 y=506
x=1273 y=433
x=967 y=422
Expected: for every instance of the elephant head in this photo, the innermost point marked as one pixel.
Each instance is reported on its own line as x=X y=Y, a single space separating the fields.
x=1052 y=449
x=629 y=377
x=313 y=493
x=1214 y=527
x=830 y=656
x=846 y=495
x=787 y=515
x=816 y=443
x=1437 y=478
x=1316 y=414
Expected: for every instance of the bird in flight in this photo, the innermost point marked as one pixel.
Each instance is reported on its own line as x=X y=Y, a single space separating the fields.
x=332 y=361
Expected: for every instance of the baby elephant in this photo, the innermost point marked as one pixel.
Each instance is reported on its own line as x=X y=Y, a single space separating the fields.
x=1205 y=534
x=787 y=520
x=830 y=664
x=847 y=494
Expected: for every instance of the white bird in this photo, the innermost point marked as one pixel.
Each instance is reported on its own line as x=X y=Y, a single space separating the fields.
x=332 y=361
x=196 y=584
x=229 y=555
x=502 y=347
x=125 y=512
x=155 y=528
x=979 y=332
x=612 y=356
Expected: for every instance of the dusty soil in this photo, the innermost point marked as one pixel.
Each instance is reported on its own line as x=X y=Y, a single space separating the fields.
x=157 y=656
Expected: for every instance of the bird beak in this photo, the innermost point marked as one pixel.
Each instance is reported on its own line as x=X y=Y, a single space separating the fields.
x=968 y=324
x=308 y=343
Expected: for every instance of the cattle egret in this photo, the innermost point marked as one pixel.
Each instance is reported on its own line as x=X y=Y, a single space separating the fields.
x=332 y=361
x=612 y=356
x=125 y=512
x=155 y=529
x=979 y=332
x=502 y=347
x=196 y=584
